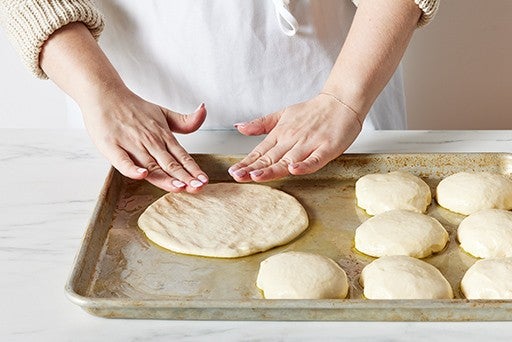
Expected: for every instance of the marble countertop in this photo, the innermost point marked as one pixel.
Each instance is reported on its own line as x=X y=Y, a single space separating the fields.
x=48 y=187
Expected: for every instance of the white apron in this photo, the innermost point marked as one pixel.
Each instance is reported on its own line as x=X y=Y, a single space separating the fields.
x=239 y=57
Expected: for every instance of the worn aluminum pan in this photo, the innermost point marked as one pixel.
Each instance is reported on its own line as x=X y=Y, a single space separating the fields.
x=118 y=273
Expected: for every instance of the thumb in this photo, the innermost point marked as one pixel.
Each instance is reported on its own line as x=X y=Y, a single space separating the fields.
x=181 y=123
x=262 y=125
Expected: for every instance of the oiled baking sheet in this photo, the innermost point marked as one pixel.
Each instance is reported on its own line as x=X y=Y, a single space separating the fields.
x=119 y=273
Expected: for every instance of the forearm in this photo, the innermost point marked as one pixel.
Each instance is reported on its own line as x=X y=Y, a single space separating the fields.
x=74 y=61
x=377 y=40
x=29 y=23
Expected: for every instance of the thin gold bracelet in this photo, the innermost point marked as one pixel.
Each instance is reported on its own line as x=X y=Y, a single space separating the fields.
x=344 y=105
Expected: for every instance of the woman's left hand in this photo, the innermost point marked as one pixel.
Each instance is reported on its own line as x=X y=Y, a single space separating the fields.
x=301 y=139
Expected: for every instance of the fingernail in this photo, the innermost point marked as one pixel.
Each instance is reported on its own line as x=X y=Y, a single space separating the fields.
x=294 y=165
x=240 y=173
x=178 y=184
x=196 y=184
x=239 y=124
x=141 y=170
x=200 y=106
x=256 y=173
x=232 y=170
x=203 y=179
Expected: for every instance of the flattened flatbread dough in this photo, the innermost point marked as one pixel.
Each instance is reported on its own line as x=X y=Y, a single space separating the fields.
x=400 y=232
x=468 y=192
x=487 y=234
x=225 y=220
x=378 y=193
x=299 y=275
x=488 y=279
x=403 y=277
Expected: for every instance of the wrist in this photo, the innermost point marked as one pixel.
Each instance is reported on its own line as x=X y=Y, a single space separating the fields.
x=105 y=99
x=351 y=95
x=358 y=117
x=100 y=92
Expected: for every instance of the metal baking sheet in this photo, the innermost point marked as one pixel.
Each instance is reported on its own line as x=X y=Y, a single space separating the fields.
x=118 y=273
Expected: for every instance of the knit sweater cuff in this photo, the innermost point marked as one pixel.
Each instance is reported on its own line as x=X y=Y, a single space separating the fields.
x=29 y=23
x=428 y=7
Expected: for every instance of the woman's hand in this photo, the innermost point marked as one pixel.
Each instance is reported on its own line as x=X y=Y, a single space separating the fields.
x=301 y=139
x=304 y=137
x=136 y=136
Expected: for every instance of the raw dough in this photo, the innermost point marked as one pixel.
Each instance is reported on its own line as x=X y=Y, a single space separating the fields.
x=225 y=220
x=377 y=193
x=400 y=232
x=488 y=279
x=404 y=277
x=466 y=193
x=487 y=234
x=299 y=275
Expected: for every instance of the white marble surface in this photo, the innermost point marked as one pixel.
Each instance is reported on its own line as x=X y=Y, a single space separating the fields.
x=48 y=187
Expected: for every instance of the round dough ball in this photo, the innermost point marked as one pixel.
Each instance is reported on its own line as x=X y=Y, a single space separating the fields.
x=487 y=234
x=377 y=193
x=488 y=279
x=299 y=275
x=225 y=220
x=401 y=232
x=466 y=193
x=404 y=277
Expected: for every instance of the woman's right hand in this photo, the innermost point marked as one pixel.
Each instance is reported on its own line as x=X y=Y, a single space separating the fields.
x=136 y=136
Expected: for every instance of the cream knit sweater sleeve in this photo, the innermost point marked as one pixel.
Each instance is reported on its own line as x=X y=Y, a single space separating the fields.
x=29 y=23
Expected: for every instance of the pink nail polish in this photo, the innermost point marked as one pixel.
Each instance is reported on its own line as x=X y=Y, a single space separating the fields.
x=200 y=106
x=240 y=173
x=202 y=179
x=178 y=184
x=196 y=184
x=256 y=173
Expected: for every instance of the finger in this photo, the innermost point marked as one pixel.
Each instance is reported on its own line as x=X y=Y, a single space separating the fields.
x=162 y=180
x=314 y=162
x=158 y=177
x=188 y=163
x=262 y=125
x=280 y=168
x=240 y=170
x=274 y=158
x=124 y=164
x=181 y=123
x=172 y=168
x=177 y=163
x=272 y=172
